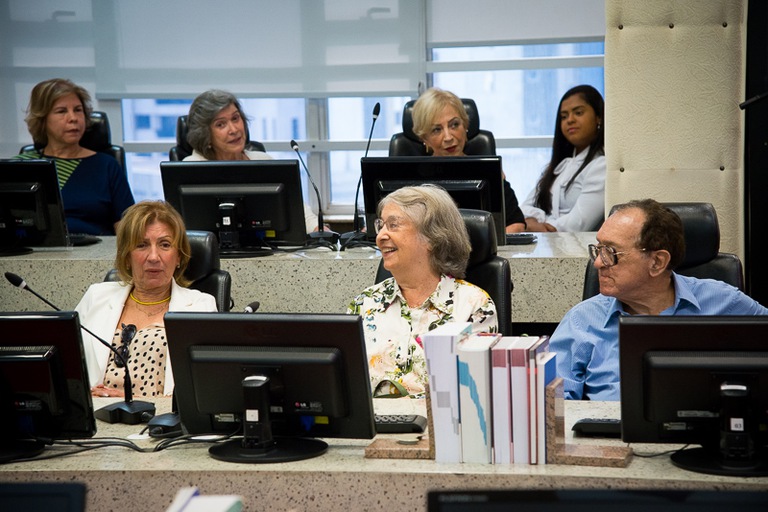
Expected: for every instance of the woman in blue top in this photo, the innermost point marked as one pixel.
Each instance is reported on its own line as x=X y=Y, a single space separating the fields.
x=93 y=185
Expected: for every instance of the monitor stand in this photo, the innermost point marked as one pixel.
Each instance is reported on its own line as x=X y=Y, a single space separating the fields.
x=245 y=252
x=14 y=251
x=15 y=449
x=257 y=444
x=709 y=461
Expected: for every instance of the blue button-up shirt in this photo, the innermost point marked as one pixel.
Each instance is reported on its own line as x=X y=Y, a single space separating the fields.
x=587 y=339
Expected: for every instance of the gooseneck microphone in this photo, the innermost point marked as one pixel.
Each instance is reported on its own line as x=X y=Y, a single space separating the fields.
x=321 y=237
x=129 y=412
x=356 y=235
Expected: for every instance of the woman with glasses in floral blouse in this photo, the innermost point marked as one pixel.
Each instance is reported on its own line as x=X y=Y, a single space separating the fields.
x=424 y=244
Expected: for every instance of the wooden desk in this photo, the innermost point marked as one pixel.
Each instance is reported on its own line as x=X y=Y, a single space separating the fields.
x=342 y=479
x=548 y=277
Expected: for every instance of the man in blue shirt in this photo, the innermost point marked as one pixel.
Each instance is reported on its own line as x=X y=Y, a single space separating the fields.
x=638 y=248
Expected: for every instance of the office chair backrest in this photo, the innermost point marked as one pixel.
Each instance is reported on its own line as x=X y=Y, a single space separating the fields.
x=485 y=268
x=204 y=269
x=182 y=149
x=702 y=246
x=97 y=137
x=406 y=143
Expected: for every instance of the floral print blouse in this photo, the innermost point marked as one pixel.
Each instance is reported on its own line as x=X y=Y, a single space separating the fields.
x=392 y=329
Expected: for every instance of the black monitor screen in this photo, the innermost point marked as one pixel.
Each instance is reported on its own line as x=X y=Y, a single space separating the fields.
x=31 y=209
x=593 y=500
x=474 y=182
x=306 y=373
x=249 y=204
x=699 y=380
x=44 y=391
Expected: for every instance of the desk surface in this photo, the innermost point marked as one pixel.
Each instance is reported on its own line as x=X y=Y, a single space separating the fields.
x=548 y=277
x=342 y=479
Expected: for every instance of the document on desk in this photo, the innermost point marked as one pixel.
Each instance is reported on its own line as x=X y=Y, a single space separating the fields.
x=440 y=350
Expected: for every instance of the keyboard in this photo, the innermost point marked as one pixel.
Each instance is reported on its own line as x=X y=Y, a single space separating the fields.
x=520 y=238
x=81 y=239
x=400 y=423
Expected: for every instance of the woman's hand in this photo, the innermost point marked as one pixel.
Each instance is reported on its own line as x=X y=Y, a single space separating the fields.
x=539 y=227
x=100 y=390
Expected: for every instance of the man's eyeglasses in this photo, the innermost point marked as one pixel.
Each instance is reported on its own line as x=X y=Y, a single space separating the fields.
x=126 y=336
x=392 y=224
x=608 y=255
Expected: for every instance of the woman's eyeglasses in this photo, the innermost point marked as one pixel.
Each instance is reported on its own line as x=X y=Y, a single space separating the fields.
x=126 y=336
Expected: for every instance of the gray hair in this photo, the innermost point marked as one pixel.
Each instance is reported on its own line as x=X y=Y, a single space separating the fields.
x=202 y=112
x=439 y=222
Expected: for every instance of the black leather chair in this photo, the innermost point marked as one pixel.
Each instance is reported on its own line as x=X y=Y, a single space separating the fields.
x=485 y=269
x=97 y=137
x=406 y=143
x=702 y=246
x=204 y=269
x=182 y=149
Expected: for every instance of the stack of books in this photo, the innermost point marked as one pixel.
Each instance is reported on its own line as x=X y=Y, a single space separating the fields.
x=487 y=395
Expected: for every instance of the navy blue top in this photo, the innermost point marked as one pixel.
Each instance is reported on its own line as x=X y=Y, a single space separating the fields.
x=95 y=191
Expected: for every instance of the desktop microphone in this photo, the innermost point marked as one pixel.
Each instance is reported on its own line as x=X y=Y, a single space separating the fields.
x=321 y=237
x=356 y=233
x=129 y=412
x=252 y=307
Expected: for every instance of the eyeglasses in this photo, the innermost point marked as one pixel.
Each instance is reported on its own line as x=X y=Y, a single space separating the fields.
x=126 y=336
x=608 y=255
x=392 y=224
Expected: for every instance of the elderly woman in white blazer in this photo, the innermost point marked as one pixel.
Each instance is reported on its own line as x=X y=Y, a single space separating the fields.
x=152 y=255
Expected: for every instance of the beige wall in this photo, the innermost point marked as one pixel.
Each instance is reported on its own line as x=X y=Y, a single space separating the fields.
x=674 y=76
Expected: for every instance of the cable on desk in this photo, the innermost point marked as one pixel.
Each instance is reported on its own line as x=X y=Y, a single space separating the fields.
x=194 y=439
x=660 y=454
x=84 y=445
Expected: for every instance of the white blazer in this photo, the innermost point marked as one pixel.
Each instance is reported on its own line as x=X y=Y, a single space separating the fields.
x=100 y=310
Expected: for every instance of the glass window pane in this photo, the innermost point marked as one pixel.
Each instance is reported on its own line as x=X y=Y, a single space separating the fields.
x=349 y=119
x=154 y=120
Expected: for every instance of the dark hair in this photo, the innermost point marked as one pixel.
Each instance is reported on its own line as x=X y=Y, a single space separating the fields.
x=662 y=229
x=41 y=101
x=562 y=149
x=202 y=112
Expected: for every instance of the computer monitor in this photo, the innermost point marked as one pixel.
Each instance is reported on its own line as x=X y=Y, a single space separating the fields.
x=280 y=379
x=699 y=380
x=44 y=391
x=591 y=500
x=31 y=209
x=251 y=205
x=474 y=182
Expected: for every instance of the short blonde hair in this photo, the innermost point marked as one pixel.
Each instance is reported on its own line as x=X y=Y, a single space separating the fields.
x=41 y=101
x=132 y=228
x=439 y=222
x=430 y=104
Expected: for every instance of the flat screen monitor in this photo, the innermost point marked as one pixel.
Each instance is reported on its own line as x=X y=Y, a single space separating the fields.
x=592 y=500
x=44 y=391
x=252 y=206
x=474 y=182
x=279 y=379
x=31 y=209
x=700 y=380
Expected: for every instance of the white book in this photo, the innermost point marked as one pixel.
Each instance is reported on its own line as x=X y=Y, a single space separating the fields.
x=440 y=351
x=546 y=371
x=502 y=401
x=475 y=401
x=540 y=346
x=518 y=378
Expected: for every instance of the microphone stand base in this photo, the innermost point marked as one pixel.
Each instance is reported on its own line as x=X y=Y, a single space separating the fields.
x=355 y=239
x=128 y=413
x=328 y=239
